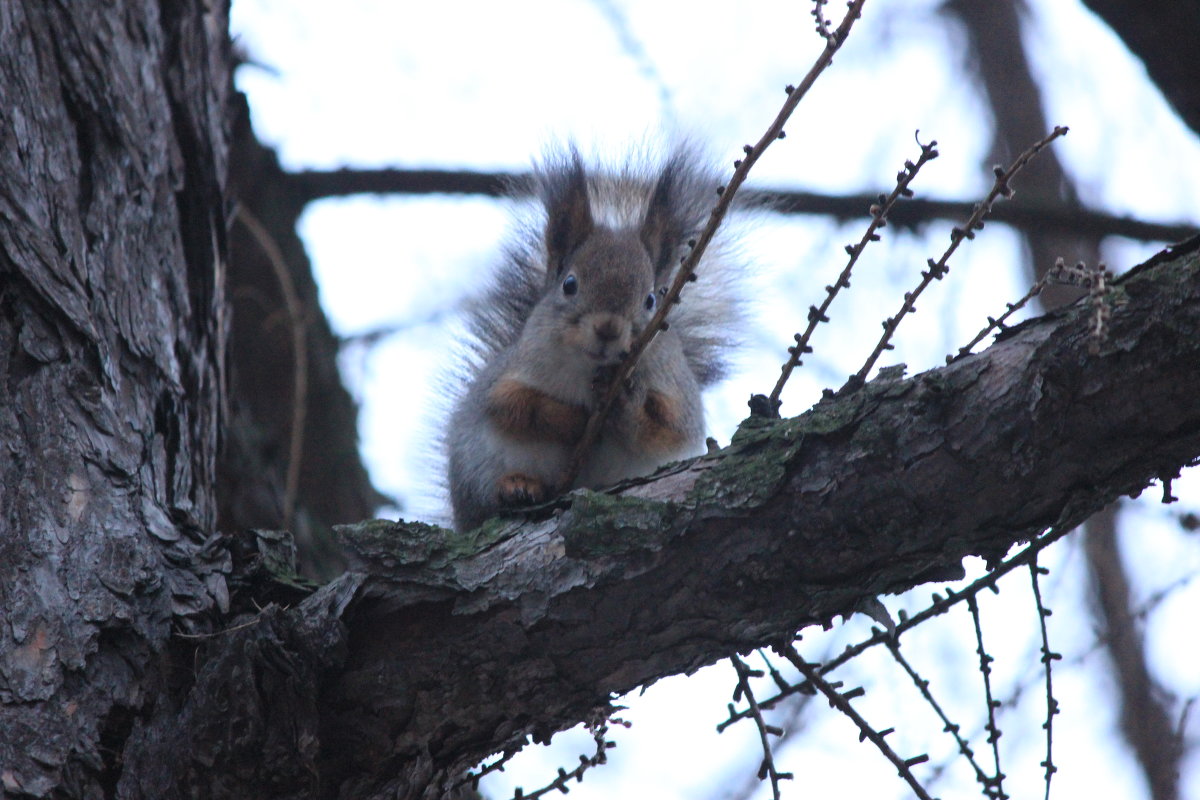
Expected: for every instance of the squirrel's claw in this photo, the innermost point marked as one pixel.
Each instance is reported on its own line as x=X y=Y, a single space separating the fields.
x=518 y=489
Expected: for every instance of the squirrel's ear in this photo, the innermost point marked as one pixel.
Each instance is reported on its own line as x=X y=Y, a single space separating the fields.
x=568 y=210
x=668 y=219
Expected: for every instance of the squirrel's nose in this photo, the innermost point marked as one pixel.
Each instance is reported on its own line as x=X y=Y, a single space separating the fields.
x=607 y=331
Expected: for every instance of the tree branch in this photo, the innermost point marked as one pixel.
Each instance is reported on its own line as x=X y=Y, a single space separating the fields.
x=1145 y=707
x=315 y=185
x=438 y=649
x=1156 y=31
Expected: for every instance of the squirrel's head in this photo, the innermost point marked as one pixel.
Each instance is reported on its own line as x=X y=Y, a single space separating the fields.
x=604 y=294
x=603 y=283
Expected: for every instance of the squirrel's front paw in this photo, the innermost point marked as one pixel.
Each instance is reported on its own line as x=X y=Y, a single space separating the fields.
x=518 y=489
x=633 y=391
x=601 y=378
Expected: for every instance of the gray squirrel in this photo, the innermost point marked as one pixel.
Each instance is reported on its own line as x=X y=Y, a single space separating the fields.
x=571 y=296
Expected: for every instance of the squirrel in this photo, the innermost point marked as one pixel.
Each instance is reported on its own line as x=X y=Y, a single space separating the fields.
x=564 y=309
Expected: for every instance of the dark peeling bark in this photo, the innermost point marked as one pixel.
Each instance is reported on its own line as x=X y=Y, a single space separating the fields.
x=112 y=234
x=438 y=649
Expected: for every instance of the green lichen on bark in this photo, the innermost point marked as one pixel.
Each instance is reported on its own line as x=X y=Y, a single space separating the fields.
x=751 y=470
x=461 y=544
x=393 y=544
x=385 y=544
x=608 y=525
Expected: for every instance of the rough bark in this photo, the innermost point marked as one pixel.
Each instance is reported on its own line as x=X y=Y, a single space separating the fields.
x=438 y=649
x=112 y=238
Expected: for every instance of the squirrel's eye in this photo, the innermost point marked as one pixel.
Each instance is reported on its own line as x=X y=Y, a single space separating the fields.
x=650 y=300
x=570 y=285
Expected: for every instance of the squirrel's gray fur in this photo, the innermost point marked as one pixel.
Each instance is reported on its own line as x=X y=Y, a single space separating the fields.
x=536 y=343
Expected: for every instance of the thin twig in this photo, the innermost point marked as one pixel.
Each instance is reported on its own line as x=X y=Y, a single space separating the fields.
x=994 y=786
x=949 y=727
x=999 y=323
x=767 y=769
x=842 y=703
x=818 y=15
x=1048 y=656
x=1082 y=654
x=879 y=213
x=1098 y=282
x=790 y=720
x=599 y=728
x=295 y=312
x=498 y=765
x=1098 y=296
x=939 y=606
x=938 y=269
x=687 y=270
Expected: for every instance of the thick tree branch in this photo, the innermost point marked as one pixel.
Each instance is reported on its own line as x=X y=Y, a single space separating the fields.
x=1055 y=218
x=438 y=649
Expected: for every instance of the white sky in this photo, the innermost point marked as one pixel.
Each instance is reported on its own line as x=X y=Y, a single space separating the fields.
x=484 y=85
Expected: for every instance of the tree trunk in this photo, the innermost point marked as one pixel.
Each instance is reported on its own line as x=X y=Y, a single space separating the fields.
x=112 y=241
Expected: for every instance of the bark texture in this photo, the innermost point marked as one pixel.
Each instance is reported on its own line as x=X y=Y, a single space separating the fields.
x=438 y=649
x=112 y=234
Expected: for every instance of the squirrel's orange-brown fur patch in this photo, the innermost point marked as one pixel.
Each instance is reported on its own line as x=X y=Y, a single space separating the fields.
x=526 y=413
x=659 y=428
x=519 y=489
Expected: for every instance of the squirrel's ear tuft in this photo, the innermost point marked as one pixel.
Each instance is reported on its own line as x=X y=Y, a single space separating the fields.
x=564 y=192
x=671 y=213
